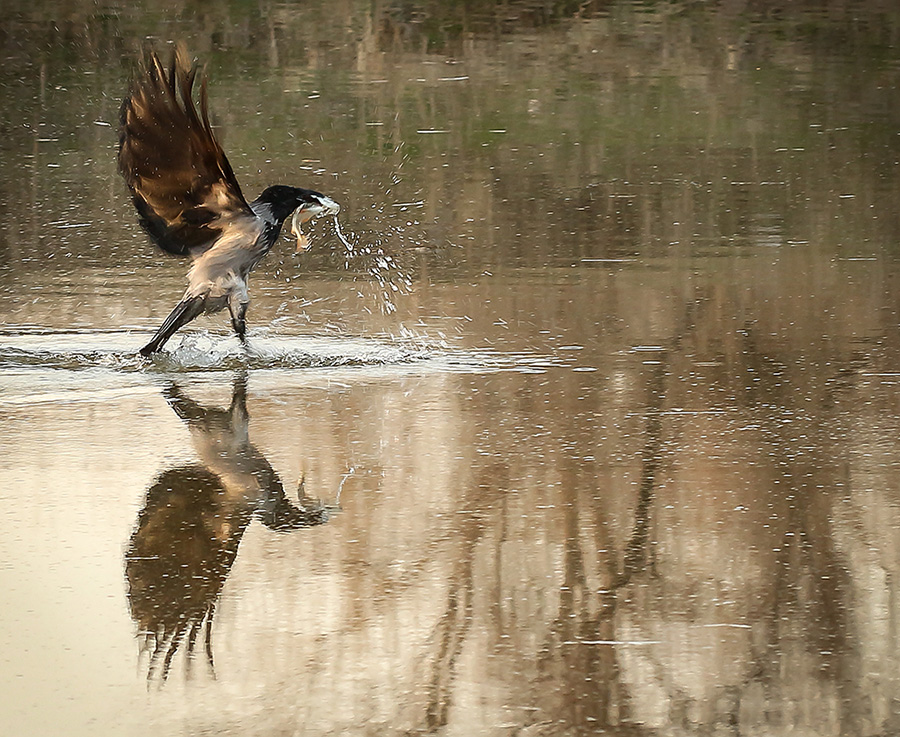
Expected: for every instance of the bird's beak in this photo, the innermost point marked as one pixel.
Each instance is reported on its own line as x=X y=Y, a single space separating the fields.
x=307 y=211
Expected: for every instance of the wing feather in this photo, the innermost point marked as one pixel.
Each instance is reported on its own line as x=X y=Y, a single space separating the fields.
x=182 y=185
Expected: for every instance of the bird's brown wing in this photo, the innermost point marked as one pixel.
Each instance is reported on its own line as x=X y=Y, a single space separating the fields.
x=182 y=184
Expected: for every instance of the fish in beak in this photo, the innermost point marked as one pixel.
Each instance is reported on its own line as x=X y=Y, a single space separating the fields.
x=316 y=206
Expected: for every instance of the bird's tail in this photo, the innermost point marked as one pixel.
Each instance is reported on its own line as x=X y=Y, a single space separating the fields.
x=184 y=312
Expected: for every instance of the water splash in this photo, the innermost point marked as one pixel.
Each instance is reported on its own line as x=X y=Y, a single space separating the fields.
x=202 y=351
x=340 y=234
x=376 y=263
x=207 y=351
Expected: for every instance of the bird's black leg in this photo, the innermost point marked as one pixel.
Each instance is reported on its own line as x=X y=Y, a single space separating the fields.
x=238 y=410
x=184 y=312
x=238 y=312
x=186 y=408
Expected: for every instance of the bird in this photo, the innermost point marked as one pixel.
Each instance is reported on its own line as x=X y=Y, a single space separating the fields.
x=188 y=199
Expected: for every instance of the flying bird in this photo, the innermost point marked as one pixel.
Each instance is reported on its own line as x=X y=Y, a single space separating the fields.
x=188 y=198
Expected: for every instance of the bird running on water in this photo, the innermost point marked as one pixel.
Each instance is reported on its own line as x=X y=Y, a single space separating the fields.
x=188 y=198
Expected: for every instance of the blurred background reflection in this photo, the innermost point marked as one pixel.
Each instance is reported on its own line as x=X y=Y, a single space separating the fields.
x=608 y=384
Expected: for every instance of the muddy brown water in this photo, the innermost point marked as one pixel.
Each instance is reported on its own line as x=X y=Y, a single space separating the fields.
x=594 y=431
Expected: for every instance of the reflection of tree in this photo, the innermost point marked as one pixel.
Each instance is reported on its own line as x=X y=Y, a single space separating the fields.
x=612 y=655
x=807 y=480
x=580 y=680
x=194 y=517
x=583 y=694
x=449 y=635
x=571 y=651
x=579 y=650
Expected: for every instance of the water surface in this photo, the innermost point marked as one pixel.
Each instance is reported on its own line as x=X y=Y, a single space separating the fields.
x=593 y=432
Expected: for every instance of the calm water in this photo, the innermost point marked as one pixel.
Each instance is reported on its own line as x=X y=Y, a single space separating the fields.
x=596 y=430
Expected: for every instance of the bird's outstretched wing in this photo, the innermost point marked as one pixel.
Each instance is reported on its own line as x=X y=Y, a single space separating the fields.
x=182 y=184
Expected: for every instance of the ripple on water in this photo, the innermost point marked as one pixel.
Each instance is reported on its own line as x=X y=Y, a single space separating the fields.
x=203 y=352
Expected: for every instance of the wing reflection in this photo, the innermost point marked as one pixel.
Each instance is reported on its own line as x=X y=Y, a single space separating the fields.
x=188 y=533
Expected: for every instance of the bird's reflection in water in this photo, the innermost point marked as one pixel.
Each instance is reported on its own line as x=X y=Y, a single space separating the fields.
x=188 y=532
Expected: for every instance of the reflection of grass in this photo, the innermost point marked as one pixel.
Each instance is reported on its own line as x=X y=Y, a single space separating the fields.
x=644 y=99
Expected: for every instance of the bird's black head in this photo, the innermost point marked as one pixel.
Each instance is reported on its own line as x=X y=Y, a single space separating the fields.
x=280 y=201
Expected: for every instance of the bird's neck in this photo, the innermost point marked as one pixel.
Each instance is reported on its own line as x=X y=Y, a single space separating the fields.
x=264 y=210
